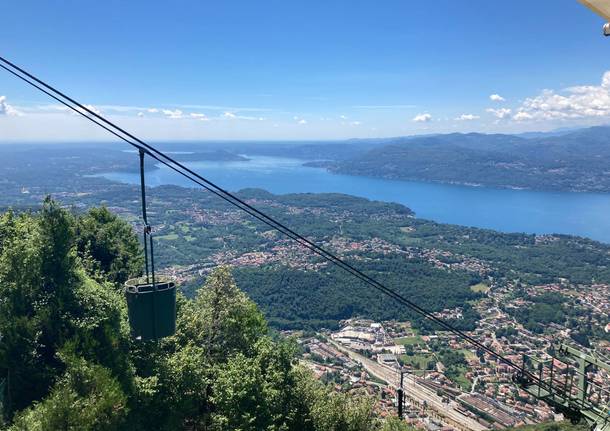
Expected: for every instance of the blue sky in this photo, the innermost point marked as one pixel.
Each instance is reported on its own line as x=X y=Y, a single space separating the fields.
x=305 y=69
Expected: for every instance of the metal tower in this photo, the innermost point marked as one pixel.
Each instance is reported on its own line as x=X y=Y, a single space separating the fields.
x=564 y=383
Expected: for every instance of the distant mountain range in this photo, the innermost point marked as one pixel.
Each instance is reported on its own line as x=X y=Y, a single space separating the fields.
x=564 y=160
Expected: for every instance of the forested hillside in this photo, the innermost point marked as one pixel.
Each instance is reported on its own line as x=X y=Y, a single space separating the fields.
x=67 y=361
x=576 y=161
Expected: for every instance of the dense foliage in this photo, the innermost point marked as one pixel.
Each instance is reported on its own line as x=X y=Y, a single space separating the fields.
x=67 y=360
x=545 y=309
x=554 y=426
x=293 y=298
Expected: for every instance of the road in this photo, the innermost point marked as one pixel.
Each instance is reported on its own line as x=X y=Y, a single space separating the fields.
x=415 y=391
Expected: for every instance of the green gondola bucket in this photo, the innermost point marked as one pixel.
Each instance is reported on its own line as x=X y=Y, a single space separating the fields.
x=151 y=309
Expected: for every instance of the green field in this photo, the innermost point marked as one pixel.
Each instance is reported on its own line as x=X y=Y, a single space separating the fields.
x=480 y=288
x=185 y=228
x=467 y=353
x=417 y=361
x=460 y=378
x=410 y=241
x=408 y=341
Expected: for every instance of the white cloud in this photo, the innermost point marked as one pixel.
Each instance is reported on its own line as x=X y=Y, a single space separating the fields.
x=496 y=98
x=121 y=108
x=175 y=114
x=224 y=108
x=89 y=107
x=153 y=110
x=500 y=113
x=140 y=114
x=233 y=116
x=302 y=121
x=199 y=116
x=343 y=117
x=355 y=123
x=467 y=117
x=93 y=109
x=6 y=109
x=422 y=118
x=583 y=101
x=522 y=116
x=384 y=106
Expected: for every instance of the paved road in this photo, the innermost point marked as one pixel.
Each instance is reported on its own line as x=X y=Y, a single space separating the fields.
x=414 y=390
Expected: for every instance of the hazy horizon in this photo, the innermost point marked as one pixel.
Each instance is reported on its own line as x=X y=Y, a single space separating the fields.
x=239 y=71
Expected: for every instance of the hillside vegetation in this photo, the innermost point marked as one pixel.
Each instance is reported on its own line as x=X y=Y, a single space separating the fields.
x=576 y=161
x=67 y=361
x=554 y=426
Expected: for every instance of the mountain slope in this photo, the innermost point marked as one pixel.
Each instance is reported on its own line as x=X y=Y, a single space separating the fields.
x=576 y=161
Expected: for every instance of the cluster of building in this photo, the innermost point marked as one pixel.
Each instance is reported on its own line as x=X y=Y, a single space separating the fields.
x=335 y=367
x=373 y=245
x=493 y=400
x=447 y=260
x=284 y=252
x=487 y=393
x=214 y=217
x=364 y=335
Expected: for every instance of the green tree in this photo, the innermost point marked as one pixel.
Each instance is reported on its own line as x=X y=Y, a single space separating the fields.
x=86 y=397
x=393 y=423
x=71 y=364
x=258 y=392
x=221 y=319
x=48 y=304
x=340 y=412
x=108 y=245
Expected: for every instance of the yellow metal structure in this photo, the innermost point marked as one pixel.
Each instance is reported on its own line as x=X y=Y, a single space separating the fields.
x=602 y=8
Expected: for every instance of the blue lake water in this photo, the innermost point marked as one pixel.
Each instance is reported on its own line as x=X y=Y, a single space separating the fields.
x=583 y=214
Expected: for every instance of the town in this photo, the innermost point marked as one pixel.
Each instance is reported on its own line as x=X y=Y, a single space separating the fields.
x=509 y=297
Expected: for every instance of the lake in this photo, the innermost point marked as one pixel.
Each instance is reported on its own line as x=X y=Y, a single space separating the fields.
x=583 y=214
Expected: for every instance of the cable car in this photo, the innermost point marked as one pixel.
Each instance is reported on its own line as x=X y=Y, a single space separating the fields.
x=151 y=308
x=151 y=302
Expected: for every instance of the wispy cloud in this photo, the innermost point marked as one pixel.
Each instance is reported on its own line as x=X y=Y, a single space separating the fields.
x=233 y=116
x=496 y=98
x=384 y=106
x=467 y=117
x=500 y=113
x=422 y=118
x=223 y=108
x=173 y=114
x=94 y=109
x=6 y=109
x=121 y=108
x=199 y=116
